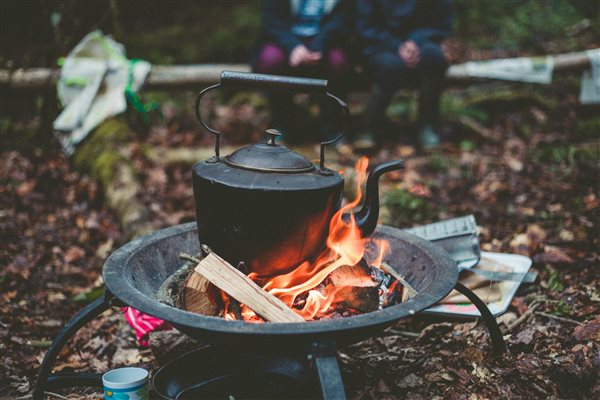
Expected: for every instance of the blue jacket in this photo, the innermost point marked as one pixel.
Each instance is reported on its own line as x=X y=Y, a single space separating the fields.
x=277 y=17
x=383 y=25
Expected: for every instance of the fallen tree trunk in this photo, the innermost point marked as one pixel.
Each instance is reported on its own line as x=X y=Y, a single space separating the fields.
x=184 y=155
x=173 y=76
x=577 y=61
x=101 y=155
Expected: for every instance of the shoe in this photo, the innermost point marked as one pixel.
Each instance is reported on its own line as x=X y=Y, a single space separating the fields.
x=364 y=143
x=428 y=138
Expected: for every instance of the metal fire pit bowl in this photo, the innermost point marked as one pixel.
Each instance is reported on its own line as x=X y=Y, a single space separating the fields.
x=134 y=273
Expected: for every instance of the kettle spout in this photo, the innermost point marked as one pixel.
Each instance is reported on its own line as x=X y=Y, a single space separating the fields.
x=366 y=217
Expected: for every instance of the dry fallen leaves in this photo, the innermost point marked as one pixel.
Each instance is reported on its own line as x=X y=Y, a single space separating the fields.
x=589 y=331
x=74 y=253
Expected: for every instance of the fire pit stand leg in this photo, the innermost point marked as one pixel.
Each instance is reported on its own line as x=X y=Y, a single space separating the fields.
x=44 y=379
x=498 y=344
x=324 y=355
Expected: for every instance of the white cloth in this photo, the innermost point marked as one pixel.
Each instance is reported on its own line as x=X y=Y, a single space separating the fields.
x=92 y=86
x=522 y=69
x=590 y=80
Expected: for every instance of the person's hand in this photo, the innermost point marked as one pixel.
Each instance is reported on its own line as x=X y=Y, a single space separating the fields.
x=409 y=53
x=300 y=55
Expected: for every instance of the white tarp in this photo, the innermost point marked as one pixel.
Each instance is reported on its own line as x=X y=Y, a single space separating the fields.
x=590 y=80
x=522 y=69
x=92 y=86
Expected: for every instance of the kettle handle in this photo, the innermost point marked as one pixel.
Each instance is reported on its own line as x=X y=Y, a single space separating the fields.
x=249 y=80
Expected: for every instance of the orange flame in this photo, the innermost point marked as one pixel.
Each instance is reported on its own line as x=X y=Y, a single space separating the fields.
x=345 y=246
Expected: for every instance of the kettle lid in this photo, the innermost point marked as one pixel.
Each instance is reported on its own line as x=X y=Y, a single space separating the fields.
x=269 y=157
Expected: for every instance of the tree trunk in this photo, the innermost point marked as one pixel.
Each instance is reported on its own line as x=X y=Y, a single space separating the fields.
x=170 y=76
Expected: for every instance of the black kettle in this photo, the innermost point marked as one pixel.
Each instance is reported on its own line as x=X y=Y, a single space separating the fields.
x=266 y=205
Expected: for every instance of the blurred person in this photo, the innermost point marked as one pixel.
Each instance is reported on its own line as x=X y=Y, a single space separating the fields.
x=400 y=42
x=304 y=38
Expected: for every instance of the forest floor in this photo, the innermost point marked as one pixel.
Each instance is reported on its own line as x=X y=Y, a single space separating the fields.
x=524 y=161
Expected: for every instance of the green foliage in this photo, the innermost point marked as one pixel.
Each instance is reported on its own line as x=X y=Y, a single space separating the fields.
x=407 y=209
x=589 y=156
x=454 y=106
x=99 y=153
x=573 y=155
x=550 y=153
x=440 y=163
x=184 y=31
x=534 y=22
x=508 y=97
x=562 y=308
x=88 y=295
x=514 y=24
x=210 y=32
x=256 y=100
x=554 y=282
x=588 y=129
x=403 y=107
x=468 y=145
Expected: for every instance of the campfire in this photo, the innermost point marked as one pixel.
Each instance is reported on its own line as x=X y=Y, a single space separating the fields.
x=349 y=277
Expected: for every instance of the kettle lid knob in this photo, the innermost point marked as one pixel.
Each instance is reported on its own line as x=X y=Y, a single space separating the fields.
x=273 y=134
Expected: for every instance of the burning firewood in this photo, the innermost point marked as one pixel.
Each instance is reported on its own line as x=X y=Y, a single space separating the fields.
x=358 y=275
x=237 y=285
x=356 y=287
x=410 y=291
x=200 y=296
x=361 y=299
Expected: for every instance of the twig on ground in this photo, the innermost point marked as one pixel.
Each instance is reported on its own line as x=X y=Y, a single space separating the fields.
x=562 y=319
x=58 y=396
x=26 y=397
x=412 y=335
x=525 y=316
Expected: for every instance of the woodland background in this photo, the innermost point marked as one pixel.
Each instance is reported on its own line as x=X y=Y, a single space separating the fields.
x=523 y=158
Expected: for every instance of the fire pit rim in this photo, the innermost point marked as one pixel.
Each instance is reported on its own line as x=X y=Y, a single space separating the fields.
x=120 y=284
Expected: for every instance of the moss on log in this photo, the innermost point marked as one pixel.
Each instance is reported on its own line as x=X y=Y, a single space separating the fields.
x=102 y=156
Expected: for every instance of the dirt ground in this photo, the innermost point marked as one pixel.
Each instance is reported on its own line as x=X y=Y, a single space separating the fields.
x=534 y=191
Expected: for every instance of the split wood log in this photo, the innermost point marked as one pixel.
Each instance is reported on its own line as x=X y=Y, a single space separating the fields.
x=200 y=296
x=410 y=291
x=237 y=285
x=353 y=284
x=352 y=275
x=360 y=298
x=169 y=76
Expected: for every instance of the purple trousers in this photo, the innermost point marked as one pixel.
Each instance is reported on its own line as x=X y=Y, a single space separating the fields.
x=272 y=59
x=334 y=66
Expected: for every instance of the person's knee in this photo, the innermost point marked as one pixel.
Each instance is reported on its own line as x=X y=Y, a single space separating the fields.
x=337 y=61
x=271 y=59
x=389 y=71
x=432 y=59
